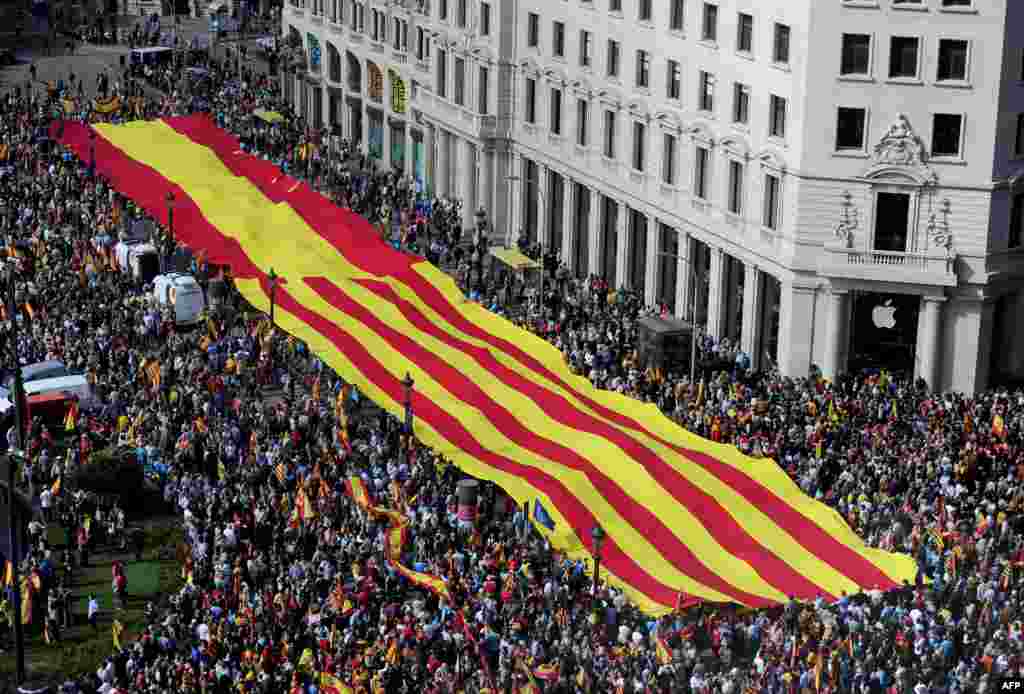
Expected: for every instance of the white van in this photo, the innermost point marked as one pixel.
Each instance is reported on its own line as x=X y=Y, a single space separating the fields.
x=183 y=294
x=138 y=259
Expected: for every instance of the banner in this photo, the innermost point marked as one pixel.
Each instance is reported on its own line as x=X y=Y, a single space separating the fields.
x=681 y=514
x=375 y=82
x=399 y=101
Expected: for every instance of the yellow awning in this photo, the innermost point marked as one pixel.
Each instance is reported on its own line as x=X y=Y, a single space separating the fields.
x=514 y=259
x=268 y=116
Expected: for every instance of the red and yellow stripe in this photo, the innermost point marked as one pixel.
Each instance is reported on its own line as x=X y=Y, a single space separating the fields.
x=681 y=514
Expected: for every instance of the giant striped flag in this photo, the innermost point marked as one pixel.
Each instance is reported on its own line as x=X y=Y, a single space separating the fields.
x=681 y=514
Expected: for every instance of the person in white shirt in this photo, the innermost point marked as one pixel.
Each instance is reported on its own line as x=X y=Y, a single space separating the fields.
x=94 y=609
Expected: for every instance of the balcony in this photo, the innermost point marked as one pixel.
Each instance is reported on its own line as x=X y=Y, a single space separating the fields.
x=889 y=266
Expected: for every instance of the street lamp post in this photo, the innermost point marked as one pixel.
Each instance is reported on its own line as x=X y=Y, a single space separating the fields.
x=407 y=384
x=19 y=438
x=273 y=291
x=598 y=536
x=479 y=244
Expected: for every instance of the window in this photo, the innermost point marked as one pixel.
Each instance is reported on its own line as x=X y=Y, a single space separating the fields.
x=856 y=58
x=772 y=190
x=1018 y=147
x=460 y=81
x=903 y=56
x=744 y=32
x=422 y=44
x=609 y=134
x=700 y=173
x=1016 y=220
x=443 y=9
x=735 y=187
x=668 y=159
x=706 y=97
x=558 y=39
x=442 y=73
x=709 y=27
x=615 y=5
x=531 y=100
x=533 y=30
x=643 y=69
x=946 y=131
x=582 y=109
x=957 y=3
x=483 y=90
x=485 y=19
x=675 y=16
x=777 y=117
x=400 y=38
x=643 y=10
x=740 y=103
x=463 y=13
x=556 y=111
x=850 y=124
x=952 y=60
x=613 y=58
x=780 y=47
x=673 y=80
x=639 y=145
x=584 y=48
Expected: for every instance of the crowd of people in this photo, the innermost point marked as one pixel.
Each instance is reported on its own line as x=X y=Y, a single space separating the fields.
x=288 y=582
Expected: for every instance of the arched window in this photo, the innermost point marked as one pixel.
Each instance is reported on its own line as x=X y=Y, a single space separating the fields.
x=333 y=63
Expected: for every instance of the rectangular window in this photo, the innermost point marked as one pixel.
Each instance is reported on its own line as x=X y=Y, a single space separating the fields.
x=952 y=60
x=735 y=187
x=609 y=134
x=485 y=19
x=700 y=173
x=531 y=100
x=709 y=27
x=443 y=9
x=856 y=58
x=673 y=80
x=639 y=145
x=615 y=5
x=770 y=216
x=460 y=81
x=777 y=117
x=643 y=10
x=582 y=109
x=533 y=30
x=613 y=58
x=780 y=46
x=668 y=159
x=957 y=3
x=1019 y=144
x=947 y=129
x=483 y=90
x=556 y=111
x=850 y=124
x=585 y=40
x=744 y=32
x=1016 y=220
x=463 y=13
x=706 y=97
x=903 y=56
x=442 y=73
x=558 y=39
x=740 y=103
x=675 y=15
x=643 y=69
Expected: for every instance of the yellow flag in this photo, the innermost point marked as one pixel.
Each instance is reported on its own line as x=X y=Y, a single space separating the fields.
x=117 y=629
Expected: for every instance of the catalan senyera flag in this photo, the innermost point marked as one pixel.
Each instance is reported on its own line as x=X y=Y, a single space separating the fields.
x=329 y=684
x=681 y=514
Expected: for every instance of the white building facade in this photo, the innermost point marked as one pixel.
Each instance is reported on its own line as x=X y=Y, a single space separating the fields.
x=828 y=183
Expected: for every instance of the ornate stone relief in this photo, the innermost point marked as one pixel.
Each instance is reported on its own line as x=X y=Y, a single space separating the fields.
x=848 y=224
x=939 y=234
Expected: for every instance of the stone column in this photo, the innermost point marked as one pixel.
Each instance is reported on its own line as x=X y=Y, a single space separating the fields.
x=409 y=163
x=796 y=317
x=568 y=217
x=487 y=186
x=443 y=178
x=385 y=154
x=517 y=187
x=651 y=278
x=622 y=248
x=593 y=222
x=468 y=175
x=717 y=294
x=838 y=318
x=543 y=202
x=365 y=123
x=429 y=159
x=684 y=277
x=752 y=310
x=928 y=327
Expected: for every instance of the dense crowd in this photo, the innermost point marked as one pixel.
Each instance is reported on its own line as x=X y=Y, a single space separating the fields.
x=286 y=576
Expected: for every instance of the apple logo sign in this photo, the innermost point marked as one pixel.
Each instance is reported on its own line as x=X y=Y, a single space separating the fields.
x=884 y=315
